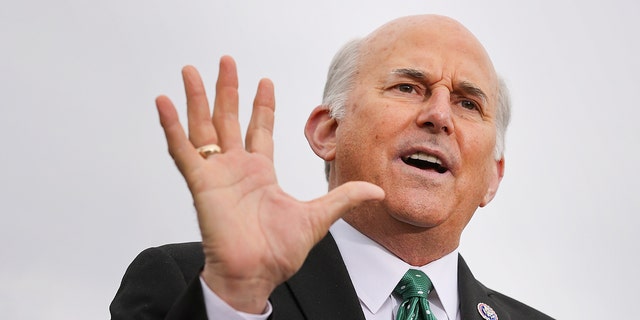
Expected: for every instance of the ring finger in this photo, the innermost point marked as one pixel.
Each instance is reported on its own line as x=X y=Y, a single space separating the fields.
x=201 y=130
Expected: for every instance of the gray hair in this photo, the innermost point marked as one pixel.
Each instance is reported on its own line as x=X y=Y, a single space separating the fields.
x=341 y=79
x=503 y=116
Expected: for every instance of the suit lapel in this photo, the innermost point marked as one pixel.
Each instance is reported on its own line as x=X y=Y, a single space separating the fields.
x=473 y=293
x=323 y=288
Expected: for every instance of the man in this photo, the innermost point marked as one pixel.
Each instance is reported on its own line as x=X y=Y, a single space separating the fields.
x=411 y=128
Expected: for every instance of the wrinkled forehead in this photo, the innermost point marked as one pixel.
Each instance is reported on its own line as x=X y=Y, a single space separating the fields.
x=441 y=46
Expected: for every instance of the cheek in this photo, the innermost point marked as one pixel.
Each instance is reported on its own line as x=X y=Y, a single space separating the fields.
x=477 y=149
x=368 y=128
x=361 y=143
x=351 y=141
x=476 y=141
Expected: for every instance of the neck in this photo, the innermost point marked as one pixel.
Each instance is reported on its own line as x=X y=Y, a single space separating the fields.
x=415 y=245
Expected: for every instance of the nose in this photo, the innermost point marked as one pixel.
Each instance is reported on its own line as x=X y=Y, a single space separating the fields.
x=435 y=115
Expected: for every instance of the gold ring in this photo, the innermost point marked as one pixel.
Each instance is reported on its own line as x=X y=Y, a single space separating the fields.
x=208 y=150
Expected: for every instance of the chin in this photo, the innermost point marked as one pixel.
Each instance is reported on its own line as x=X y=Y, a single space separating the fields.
x=419 y=215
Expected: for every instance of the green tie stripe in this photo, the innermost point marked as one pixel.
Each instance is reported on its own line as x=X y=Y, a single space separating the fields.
x=414 y=289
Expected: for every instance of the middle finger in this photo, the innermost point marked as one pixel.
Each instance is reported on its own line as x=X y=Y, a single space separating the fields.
x=225 y=107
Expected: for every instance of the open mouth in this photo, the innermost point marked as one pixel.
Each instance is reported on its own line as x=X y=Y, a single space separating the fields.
x=425 y=161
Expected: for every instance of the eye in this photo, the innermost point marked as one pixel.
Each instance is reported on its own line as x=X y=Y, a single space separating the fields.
x=468 y=104
x=406 y=88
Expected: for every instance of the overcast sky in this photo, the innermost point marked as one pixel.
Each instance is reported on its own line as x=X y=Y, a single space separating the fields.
x=86 y=182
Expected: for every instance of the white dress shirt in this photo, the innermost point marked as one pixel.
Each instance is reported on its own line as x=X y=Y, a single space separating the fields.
x=374 y=272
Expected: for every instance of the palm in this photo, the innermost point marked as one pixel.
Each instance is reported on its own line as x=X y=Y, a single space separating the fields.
x=248 y=223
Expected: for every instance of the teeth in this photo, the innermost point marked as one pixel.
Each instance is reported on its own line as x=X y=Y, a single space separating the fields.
x=425 y=157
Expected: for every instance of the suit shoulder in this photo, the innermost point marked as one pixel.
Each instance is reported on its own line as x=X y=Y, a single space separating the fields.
x=474 y=294
x=188 y=256
x=156 y=279
x=181 y=251
x=180 y=258
x=515 y=308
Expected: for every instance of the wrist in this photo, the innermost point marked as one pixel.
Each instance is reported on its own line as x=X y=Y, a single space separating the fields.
x=248 y=295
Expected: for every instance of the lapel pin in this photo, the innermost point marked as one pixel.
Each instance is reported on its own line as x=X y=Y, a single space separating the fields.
x=487 y=312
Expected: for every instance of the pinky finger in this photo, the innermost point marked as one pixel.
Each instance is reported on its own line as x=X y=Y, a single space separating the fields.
x=180 y=148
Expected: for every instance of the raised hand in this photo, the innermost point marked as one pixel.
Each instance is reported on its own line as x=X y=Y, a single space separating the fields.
x=254 y=235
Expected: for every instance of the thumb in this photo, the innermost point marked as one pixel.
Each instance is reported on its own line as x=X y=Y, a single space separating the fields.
x=344 y=197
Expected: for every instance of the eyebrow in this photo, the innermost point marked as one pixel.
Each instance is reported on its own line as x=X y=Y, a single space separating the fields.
x=469 y=88
x=411 y=73
x=466 y=87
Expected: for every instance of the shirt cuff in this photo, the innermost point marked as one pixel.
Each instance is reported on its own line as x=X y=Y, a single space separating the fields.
x=219 y=309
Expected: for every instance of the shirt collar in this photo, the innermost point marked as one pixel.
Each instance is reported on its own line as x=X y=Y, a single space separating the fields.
x=375 y=271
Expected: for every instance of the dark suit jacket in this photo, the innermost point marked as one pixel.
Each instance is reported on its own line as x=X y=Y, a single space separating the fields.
x=163 y=283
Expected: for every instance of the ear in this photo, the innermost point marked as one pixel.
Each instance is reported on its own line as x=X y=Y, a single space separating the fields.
x=321 y=133
x=494 y=182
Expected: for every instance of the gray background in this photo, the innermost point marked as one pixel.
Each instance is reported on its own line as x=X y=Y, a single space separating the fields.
x=86 y=182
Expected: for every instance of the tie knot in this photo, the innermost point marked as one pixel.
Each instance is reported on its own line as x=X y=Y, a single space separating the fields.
x=414 y=283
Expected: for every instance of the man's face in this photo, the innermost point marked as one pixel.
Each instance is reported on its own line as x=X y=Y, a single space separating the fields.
x=420 y=123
